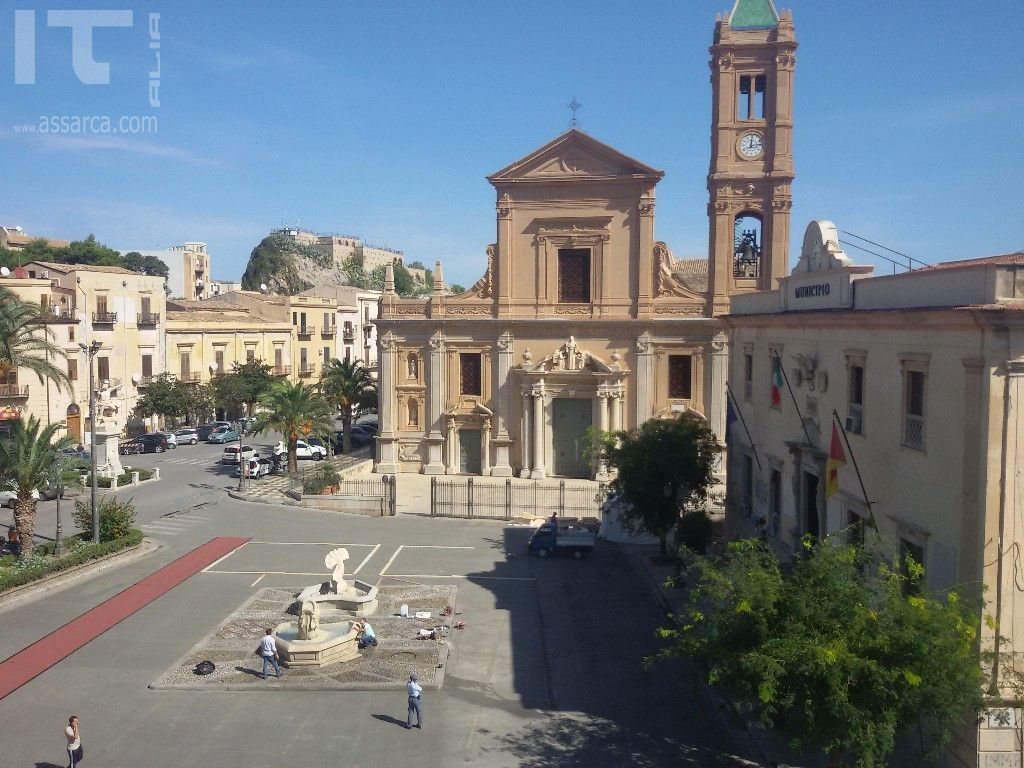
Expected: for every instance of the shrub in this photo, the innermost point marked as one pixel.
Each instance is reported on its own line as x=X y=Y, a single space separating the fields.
x=81 y=553
x=324 y=476
x=117 y=518
x=695 y=531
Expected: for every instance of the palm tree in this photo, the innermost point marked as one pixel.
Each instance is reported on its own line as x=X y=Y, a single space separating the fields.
x=27 y=460
x=348 y=385
x=26 y=340
x=294 y=410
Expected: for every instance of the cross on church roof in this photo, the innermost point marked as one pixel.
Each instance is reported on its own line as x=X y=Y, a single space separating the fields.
x=574 y=106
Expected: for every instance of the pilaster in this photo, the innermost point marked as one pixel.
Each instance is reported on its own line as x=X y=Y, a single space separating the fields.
x=435 y=406
x=503 y=401
x=387 y=441
x=644 y=378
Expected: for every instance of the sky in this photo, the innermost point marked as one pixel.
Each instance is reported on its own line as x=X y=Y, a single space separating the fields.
x=382 y=119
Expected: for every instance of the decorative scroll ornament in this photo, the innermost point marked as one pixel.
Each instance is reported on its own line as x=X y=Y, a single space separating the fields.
x=667 y=284
x=484 y=287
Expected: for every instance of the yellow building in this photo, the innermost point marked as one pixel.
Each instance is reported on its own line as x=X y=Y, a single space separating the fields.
x=314 y=324
x=122 y=310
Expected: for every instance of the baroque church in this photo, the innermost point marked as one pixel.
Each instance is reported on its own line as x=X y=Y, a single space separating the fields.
x=583 y=318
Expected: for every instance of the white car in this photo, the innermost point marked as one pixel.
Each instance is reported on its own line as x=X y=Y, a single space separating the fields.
x=186 y=435
x=303 y=450
x=256 y=468
x=172 y=439
x=8 y=498
x=230 y=455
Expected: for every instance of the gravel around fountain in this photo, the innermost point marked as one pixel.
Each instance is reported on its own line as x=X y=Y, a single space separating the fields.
x=387 y=666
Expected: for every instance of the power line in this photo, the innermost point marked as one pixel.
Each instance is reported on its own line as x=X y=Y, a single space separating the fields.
x=910 y=259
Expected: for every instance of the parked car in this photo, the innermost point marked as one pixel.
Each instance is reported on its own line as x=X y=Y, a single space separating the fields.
x=303 y=450
x=172 y=439
x=205 y=430
x=230 y=455
x=187 y=435
x=223 y=435
x=76 y=454
x=8 y=497
x=554 y=536
x=360 y=436
x=257 y=468
x=151 y=443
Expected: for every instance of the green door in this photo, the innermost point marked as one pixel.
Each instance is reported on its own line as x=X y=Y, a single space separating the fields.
x=570 y=419
x=469 y=451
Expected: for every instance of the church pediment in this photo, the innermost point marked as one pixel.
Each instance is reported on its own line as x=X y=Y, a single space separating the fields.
x=575 y=155
x=569 y=358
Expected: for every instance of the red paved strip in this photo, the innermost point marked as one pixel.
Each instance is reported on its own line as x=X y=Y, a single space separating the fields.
x=61 y=643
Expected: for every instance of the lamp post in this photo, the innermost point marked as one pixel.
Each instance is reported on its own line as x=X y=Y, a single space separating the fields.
x=90 y=352
x=58 y=539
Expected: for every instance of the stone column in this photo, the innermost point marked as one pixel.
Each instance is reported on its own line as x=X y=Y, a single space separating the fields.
x=616 y=411
x=539 y=463
x=485 y=448
x=714 y=400
x=603 y=398
x=387 y=442
x=644 y=378
x=435 y=405
x=503 y=402
x=524 y=437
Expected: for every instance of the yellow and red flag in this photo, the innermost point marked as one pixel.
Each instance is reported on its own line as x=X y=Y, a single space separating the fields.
x=836 y=459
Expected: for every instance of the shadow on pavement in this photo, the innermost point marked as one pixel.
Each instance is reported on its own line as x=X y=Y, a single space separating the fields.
x=580 y=631
x=389 y=719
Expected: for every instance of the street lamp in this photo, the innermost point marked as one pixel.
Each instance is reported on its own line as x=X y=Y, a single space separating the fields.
x=90 y=352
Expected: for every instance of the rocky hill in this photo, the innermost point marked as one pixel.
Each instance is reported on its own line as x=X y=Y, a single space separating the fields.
x=287 y=267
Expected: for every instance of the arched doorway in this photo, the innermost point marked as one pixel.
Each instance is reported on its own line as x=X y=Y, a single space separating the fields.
x=74 y=420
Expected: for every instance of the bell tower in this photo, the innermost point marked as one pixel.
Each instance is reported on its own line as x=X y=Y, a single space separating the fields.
x=751 y=173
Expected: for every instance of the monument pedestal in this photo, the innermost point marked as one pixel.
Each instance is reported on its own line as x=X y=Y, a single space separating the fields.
x=108 y=461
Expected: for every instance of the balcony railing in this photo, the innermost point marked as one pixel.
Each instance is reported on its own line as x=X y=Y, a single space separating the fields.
x=328 y=330
x=306 y=330
x=349 y=334
x=307 y=369
x=104 y=318
x=13 y=391
x=913 y=431
x=149 y=319
x=282 y=370
x=58 y=314
x=145 y=381
x=188 y=377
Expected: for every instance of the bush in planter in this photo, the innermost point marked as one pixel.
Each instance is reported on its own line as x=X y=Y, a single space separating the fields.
x=117 y=518
x=323 y=477
x=694 y=531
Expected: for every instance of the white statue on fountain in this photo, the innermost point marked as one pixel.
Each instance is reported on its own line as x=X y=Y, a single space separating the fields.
x=356 y=597
x=335 y=560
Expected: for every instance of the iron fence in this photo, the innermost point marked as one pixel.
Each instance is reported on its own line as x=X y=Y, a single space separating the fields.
x=381 y=486
x=469 y=498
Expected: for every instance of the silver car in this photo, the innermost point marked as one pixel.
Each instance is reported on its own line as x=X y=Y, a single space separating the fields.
x=186 y=435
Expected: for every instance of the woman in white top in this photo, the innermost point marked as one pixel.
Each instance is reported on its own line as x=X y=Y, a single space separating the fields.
x=74 y=741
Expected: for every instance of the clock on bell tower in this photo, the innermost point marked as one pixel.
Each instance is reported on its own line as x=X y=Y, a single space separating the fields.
x=751 y=173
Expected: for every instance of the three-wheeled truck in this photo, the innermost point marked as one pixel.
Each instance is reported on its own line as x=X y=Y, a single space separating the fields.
x=561 y=535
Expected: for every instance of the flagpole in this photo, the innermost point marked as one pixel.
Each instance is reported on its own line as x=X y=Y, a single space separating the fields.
x=856 y=468
x=739 y=413
x=803 y=425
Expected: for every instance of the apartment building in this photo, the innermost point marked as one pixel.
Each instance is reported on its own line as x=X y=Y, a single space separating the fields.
x=357 y=309
x=188 y=270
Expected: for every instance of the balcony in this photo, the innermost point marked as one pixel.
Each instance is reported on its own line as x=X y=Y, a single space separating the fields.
x=281 y=370
x=13 y=391
x=104 y=318
x=145 y=381
x=149 y=320
x=307 y=369
x=349 y=333
x=58 y=314
x=328 y=330
x=913 y=431
x=189 y=377
x=306 y=330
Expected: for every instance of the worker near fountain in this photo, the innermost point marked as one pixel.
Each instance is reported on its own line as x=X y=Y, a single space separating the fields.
x=364 y=633
x=415 y=691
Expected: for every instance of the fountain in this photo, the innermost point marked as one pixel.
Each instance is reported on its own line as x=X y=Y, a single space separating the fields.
x=357 y=597
x=310 y=643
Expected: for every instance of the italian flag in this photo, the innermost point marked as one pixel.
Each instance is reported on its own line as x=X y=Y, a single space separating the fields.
x=776 y=382
x=836 y=459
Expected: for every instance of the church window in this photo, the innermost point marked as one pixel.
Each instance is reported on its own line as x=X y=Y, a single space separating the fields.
x=750 y=101
x=680 y=380
x=573 y=275
x=470 y=370
x=747 y=246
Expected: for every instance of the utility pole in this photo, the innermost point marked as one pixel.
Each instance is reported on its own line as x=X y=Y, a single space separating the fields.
x=90 y=352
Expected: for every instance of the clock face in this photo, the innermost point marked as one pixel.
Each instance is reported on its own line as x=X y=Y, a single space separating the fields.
x=751 y=145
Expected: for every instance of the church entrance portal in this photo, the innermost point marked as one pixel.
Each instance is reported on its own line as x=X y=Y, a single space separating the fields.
x=469 y=451
x=569 y=421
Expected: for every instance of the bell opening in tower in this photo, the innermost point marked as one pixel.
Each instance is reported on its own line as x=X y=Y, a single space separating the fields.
x=746 y=262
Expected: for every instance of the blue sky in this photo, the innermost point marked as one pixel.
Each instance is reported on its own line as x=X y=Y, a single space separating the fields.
x=382 y=119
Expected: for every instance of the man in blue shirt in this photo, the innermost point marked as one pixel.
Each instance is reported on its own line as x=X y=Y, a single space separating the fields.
x=415 y=691
x=365 y=634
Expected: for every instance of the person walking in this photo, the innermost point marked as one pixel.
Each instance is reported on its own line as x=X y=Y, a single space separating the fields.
x=415 y=691
x=75 y=752
x=268 y=650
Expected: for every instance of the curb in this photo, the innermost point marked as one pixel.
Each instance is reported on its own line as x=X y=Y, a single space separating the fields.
x=56 y=581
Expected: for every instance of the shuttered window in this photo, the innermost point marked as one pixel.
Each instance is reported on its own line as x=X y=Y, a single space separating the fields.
x=470 y=374
x=574 y=276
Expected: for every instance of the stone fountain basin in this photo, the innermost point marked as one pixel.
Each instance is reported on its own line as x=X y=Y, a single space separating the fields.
x=358 y=598
x=335 y=643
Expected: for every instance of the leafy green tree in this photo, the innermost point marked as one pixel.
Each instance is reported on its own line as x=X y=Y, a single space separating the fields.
x=416 y=265
x=88 y=251
x=27 y=342
x=198 y=402
x=405 y=283
x=348 y=385
x=164 y=396
x=243 y=385
x=146 y=265
x=295 y=411
x=456 y=289
x=376 y=279
x=27 y=460
x=836 y=654
x=663 y=468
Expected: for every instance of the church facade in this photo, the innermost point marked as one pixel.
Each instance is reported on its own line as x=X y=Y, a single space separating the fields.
x=582 y=317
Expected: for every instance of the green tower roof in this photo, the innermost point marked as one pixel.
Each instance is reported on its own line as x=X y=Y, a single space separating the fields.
x=753 y=14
